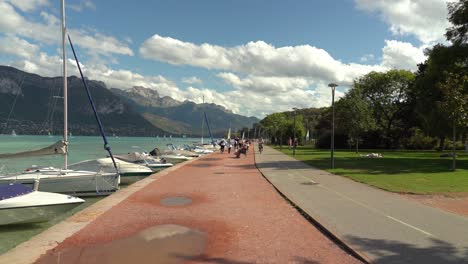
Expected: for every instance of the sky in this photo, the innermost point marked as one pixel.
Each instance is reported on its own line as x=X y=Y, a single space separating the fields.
x=254 y=57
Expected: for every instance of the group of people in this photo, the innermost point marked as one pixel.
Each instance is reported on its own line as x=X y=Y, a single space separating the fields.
x=241 y=146
x=292 y=143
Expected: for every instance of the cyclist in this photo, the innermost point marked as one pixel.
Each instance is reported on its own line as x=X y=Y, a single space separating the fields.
x=260 y=145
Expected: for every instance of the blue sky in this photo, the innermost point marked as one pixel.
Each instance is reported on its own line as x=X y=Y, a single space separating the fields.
x=253 y=57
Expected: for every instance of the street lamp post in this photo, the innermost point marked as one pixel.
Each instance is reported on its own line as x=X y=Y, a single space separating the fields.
x=333 y=87
x=294 y=139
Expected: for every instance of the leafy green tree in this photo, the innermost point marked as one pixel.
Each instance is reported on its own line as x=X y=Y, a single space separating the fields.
x=387 y=95
x=455 y=105
x=275 y=124
x=458 y=16
x=354 y=116
x=428 y=92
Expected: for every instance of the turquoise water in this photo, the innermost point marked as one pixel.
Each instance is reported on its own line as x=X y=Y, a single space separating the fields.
x=13 y=235
x=80 y=148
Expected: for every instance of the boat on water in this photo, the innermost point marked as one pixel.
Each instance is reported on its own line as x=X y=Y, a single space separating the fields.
x=129 y=172
x=197 y=149
x=145 y=159
x=63 y=180
x=13 y=133
x=169 y=156
x=21 y=205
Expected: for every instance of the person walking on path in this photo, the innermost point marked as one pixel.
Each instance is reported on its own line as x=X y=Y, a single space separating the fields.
x=229 y=145
x=222 y=144
x=289 y=143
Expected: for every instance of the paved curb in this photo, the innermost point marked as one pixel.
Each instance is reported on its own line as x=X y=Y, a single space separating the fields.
x=314 y=221
x=31 y=250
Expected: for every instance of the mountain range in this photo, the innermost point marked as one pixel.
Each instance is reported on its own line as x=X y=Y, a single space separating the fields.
x=31 y=104
x=182 y=117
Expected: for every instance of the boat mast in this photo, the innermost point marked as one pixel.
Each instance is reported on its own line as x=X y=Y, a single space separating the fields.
x=202 y=122
x=65 y=90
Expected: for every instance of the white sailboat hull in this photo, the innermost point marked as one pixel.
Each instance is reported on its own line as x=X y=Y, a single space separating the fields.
x=175 y=158
x=35 y=207
x=129 y=172
x=80 y=183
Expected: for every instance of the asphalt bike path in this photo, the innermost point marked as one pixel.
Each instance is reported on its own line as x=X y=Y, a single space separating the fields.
x=382 y=227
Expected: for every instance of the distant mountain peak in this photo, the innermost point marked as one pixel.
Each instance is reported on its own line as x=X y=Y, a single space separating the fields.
x=143 y=91
x=147 y=97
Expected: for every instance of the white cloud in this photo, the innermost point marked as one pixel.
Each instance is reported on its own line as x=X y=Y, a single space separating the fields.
x=265 y=85
x=255 y=58
x=28 y=5
x=367 y=58
x=192 y=80
x=272 y=94
x=402 y=55
x=13 y=45
x=48 y=32
x=425 y=19
x=82 y=5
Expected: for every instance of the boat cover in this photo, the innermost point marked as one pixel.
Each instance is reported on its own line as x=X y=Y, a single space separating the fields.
x=56 y=148
x=13 y=190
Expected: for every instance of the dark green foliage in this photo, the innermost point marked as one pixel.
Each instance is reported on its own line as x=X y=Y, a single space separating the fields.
x=458 y=16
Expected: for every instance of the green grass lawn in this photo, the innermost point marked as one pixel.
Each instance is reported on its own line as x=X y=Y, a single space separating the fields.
x=421 y=172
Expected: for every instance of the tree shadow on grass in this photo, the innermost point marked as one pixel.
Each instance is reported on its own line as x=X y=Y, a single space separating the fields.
x=388 y=165
x=389 y=251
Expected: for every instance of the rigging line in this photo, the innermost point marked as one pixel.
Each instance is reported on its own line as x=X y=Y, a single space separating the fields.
x=98 y=120
x=48 y=122
x=209 y=130
x=14 y=102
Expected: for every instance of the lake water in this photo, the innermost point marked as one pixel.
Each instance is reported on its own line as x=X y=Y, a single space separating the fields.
x=80 y=148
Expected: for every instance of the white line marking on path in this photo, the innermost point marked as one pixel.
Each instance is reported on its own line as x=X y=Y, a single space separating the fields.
x=408 y=225
x=377 y=211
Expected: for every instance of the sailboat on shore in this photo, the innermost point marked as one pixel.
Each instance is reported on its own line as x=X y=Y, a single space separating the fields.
x=62 y=180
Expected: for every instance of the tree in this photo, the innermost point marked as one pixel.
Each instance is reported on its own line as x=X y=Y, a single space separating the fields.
x=354 y=115
x=428 y=93
x=387 y=96
x=458 y=16
x=275 y=123
x=455 y=105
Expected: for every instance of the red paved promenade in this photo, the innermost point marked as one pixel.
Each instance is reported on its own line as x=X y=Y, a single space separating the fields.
x=235 y=216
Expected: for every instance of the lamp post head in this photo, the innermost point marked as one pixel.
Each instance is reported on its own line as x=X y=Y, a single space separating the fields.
x=333 y=86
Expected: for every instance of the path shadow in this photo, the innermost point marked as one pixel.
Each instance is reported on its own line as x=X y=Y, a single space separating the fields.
x=389 y=251
x=202 y=165
x=208 y=259
x=210 y=159
x=220 y=260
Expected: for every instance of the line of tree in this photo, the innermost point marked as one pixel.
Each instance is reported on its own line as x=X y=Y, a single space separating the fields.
x=395 y=109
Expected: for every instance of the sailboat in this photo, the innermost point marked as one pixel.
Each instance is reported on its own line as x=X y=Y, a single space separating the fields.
x=13 y=133
x=129 y=172
x=79 y=182
x=20 y=204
